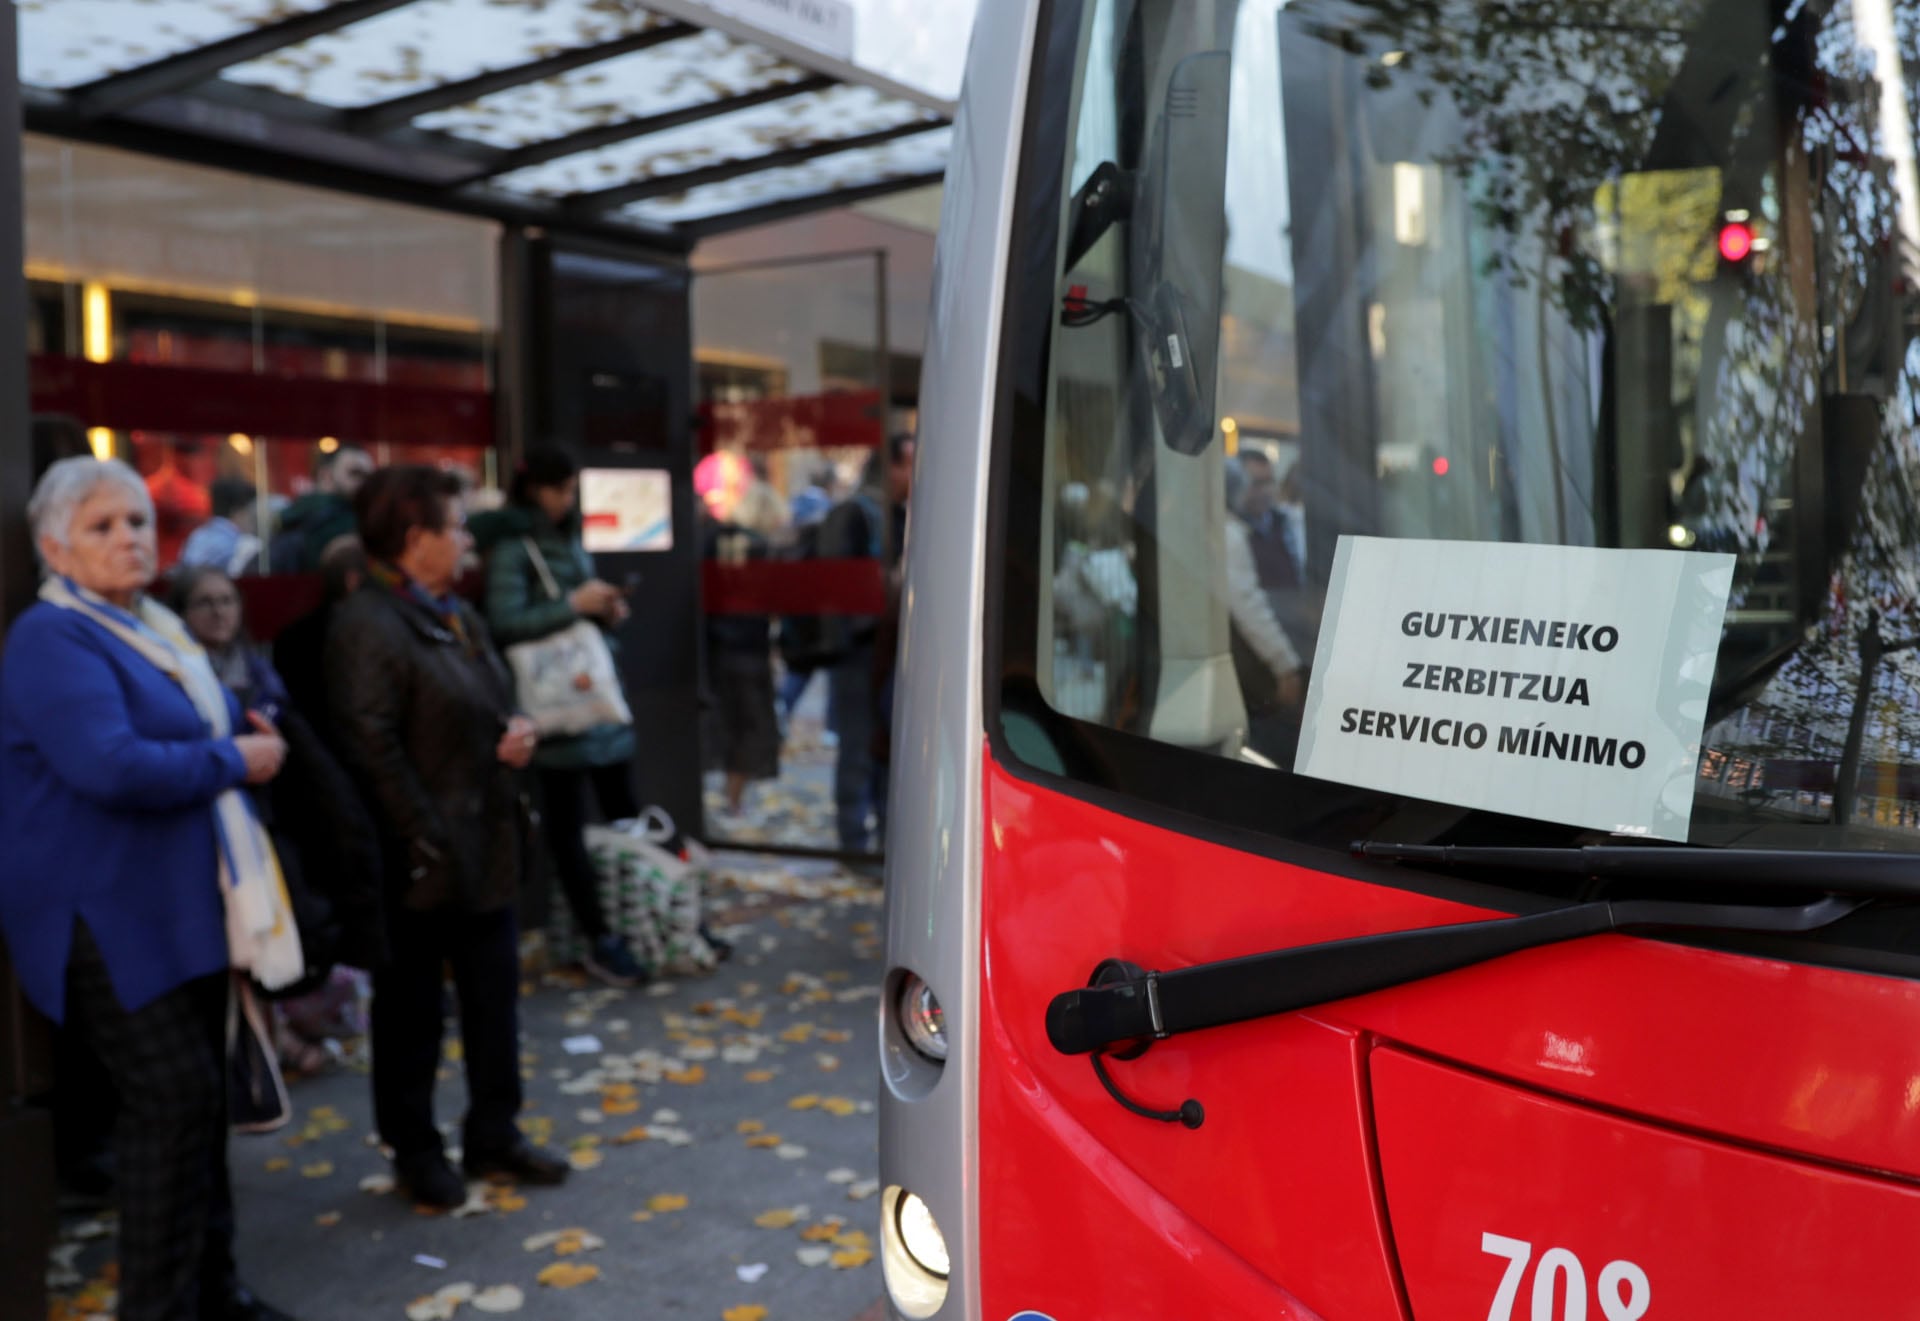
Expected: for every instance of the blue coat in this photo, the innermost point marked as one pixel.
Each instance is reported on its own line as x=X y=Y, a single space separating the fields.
x=107 y=784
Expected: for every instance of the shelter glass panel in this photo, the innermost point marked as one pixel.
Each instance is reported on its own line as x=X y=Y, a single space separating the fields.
x=67 y=43
x=434 y=42
x=679 y=75
x=837 y=112
x=921 y=154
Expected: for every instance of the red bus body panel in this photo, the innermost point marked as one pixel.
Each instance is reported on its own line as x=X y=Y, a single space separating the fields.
x=1645 y=1090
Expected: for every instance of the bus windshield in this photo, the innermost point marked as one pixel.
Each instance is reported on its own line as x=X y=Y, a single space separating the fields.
x=1616 y=274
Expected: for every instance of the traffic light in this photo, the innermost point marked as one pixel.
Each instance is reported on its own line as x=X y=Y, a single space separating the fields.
x=1736 y=241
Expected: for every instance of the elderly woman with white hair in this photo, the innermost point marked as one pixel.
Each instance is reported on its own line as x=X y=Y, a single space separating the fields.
x=133 y=877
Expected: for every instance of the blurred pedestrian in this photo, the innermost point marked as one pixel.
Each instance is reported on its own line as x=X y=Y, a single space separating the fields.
x=1271 y=673
x=424 y=709
x=328 y=852
x=744 y=738
x=299 y=653
x=316 y=519
x=124 y=836
x=534 y=540
x=870 y=524
x=227 y=541
x=808 y=510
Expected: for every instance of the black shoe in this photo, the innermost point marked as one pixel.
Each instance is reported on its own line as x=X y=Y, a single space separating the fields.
x=522 y=1162
x=609 y=959
x=239 y=1304
x=430 y=1181
x=722 y=949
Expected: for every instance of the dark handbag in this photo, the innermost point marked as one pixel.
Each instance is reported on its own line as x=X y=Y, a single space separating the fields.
x=257 y=1099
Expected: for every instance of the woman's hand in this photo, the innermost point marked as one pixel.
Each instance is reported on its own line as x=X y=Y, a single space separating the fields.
x=264 y=751
x=517 y=744
x=596 y=599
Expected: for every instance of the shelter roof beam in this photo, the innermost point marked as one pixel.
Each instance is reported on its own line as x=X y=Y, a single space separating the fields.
x=667 y=184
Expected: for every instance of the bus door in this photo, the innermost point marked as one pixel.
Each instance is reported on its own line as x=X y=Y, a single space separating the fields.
x=1446 y=842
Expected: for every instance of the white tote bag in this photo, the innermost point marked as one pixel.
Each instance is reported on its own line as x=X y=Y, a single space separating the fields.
x=566 y=681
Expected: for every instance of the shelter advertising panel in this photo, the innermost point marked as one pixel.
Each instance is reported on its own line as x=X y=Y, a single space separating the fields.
x=626 y=509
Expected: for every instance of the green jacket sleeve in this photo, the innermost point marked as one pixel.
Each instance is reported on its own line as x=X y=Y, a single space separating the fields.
x=518 y=607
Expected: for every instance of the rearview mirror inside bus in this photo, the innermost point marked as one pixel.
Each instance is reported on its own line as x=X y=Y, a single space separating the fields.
x=1179 y=241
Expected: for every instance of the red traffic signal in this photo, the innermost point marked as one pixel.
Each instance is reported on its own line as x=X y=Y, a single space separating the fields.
x=1736 y=240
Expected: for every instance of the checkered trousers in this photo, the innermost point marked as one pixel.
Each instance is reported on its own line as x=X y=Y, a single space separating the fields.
x=167 y=1061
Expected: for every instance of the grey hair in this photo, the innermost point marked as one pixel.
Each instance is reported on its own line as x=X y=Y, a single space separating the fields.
x=1237 y=482
x=65 y=486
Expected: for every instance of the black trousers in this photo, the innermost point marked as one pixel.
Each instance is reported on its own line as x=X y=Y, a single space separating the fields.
x=565 y=823
x=167 y=1062
x=483 y=952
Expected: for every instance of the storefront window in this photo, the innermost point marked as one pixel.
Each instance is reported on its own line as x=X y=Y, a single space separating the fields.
x=225 y=333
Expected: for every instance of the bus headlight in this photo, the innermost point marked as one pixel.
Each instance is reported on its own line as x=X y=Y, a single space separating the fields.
x=920 y=1235
x=913 y=1254
x=922 y=1020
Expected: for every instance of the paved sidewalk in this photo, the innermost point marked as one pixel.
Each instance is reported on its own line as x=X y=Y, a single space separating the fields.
x=722 y=1130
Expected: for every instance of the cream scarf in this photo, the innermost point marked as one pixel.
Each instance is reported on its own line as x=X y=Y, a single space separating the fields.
x=261 y=936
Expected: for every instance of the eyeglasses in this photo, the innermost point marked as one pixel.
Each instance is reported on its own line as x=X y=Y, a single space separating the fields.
x=199 y=603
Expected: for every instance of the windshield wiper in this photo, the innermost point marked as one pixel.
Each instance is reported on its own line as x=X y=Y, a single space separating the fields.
x=1854 y=872
x=1125 y=1008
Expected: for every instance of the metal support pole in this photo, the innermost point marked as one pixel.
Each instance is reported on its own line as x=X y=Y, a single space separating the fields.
x=881 y=331
x=26 y=1136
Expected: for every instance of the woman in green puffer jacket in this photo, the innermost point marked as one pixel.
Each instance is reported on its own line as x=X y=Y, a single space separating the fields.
x=542 y=517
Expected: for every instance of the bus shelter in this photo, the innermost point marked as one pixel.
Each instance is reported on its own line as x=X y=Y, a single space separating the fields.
x=250 y=233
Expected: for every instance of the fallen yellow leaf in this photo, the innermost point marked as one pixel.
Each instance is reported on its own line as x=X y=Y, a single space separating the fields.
x=586 y=1158
x=798 y=1032
x=277 y=1164
x=848 y=1258
x=619 y=1091
x=506 y=1199
x=764 y=1140
x=745 y=1312
x=757 y=1075
x=616 y=1107
x=686 y=1077
x=632 y=1135
x=567 y=1275
x=748 y=1126
x=746 y=1019
x=824 y=1232
x=641 y=1217
x=807 y=1102
x=327 y=1219
x=838 y=1036
x=839 y=1105
x=779 y=1218
x=664 y=1202
x=852 y=1238
x=319 y=1169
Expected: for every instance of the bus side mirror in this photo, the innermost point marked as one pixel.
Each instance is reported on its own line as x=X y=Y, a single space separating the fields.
x=1179 y=244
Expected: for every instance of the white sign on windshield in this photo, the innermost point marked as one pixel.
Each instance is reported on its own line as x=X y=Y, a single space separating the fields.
x=1553 y=682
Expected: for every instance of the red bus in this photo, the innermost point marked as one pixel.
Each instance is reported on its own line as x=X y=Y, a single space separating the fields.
x=1410 y=666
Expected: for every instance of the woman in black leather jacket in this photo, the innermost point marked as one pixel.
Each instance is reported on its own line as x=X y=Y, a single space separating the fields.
x=423 y=709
